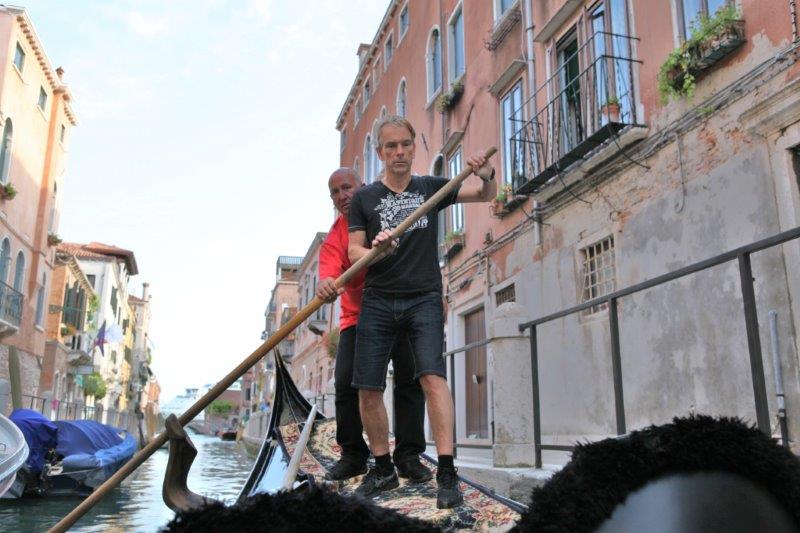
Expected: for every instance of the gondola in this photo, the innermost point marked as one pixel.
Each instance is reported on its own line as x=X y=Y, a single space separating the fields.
x=283 y=446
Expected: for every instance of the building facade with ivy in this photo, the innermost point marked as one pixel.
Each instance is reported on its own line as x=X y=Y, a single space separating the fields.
x=635 y=138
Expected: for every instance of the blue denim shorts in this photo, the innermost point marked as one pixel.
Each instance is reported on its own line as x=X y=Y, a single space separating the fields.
x=385 y=317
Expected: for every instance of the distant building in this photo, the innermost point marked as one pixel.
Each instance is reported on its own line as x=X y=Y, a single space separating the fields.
x=36 y=120
x=67 y=355
x=108 y=269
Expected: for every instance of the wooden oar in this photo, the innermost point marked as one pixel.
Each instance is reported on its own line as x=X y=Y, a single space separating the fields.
x=159 y=440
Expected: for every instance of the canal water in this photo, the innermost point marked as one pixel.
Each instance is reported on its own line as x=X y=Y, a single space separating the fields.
x=219 y=471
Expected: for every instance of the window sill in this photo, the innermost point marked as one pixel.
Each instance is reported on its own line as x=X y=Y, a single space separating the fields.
x=19 y=73
x=503 y=27
x=38 y=328
x=432 y=98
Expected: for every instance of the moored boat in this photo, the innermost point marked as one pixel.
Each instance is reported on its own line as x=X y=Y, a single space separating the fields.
x=13 y=453
x=68 y=457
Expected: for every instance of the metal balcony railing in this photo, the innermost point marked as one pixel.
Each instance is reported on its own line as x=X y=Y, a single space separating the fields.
x=10 y=305
x=589 y=99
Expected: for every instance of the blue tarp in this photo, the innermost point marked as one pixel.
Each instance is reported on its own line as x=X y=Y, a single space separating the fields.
x=85 y=436
x=40 y=434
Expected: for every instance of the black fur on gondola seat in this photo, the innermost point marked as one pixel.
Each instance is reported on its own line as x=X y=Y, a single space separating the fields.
x=308 y=509
x=601 y=475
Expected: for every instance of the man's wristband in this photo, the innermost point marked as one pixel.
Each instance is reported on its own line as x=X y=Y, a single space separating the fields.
x=490 y=178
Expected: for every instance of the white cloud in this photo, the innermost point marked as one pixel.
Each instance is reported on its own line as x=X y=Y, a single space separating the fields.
x=146 y=25
x=263 y=9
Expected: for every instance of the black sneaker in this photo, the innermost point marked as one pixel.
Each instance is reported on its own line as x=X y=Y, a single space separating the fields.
x=345 y=470
x=413 y=470
x=376 y=482
x=448 y=495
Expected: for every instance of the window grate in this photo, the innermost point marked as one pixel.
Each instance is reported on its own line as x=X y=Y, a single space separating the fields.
x=506 y=294
x=598 y=270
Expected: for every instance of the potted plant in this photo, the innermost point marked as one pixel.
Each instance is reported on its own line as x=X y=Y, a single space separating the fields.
x=453 y=242
x=610 y=110
x=712 y=39
x=7 y=191
x=500 y=201
x=53 y=239
x=449 y=99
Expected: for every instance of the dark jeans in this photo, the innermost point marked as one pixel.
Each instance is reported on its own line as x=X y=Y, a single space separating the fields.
x=409 y=403
x=386 y=319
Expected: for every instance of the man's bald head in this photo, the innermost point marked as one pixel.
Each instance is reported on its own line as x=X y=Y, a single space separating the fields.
x=343 y=184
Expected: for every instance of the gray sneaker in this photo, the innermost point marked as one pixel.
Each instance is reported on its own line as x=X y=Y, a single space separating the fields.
x=376 y=482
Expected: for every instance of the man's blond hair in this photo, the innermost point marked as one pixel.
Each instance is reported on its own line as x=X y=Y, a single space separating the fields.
x=398 y=122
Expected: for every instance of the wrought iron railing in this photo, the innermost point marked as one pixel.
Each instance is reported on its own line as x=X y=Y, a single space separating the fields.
x=10 y=305
x=589 y=98
x=742 y=257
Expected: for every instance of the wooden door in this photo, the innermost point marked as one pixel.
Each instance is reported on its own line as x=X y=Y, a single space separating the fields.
x=475 y=373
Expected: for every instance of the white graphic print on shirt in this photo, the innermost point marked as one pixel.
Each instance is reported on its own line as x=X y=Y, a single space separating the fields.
x=395 y=208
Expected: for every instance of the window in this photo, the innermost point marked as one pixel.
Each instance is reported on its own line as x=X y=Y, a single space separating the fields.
x=513 y=150
x=5 y=150
x=433 y=60
x=19 y=58
x=90 y=278
x=369 y=157
x=342 y=138
x=501 y=6
x=388 y=51
x=456 y=44
x=63 y=134
x=457 y=210
x=506 y=294
x=5 y=260
x=598 y=272
x=357 y=111
x=19 y=272
x=42 y=98
x=114 y=298
x=367 y=92
x=40 y=301
x=404 y=20
x=690 y=12
x=376 y=73
x=401 y=99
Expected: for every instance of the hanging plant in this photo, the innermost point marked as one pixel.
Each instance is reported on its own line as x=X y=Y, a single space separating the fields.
x=7 y=191
x=448 y=100
x=711 y=40
x=53 y=239
x=333 y=342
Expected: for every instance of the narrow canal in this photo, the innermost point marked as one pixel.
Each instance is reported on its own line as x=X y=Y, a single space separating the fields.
x=219 y=471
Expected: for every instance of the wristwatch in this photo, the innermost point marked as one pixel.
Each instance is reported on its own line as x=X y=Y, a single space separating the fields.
x=490 y=178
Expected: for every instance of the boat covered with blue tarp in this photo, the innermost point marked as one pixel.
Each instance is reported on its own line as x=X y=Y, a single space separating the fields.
x=68 y=457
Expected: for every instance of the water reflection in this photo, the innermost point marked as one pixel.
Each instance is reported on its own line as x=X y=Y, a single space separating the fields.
x=219 y=471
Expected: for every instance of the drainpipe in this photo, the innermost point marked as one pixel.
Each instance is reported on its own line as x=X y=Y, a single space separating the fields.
x=793 y=15
x=778 y=371
x=530 y=60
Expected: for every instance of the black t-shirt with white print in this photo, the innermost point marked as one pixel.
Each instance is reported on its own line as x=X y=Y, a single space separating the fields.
x=414 y=267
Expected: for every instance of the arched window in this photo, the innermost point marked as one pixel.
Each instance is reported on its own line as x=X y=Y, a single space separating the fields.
x=433 y=61
x=5 y=150
x=19 y=271
x=401 y=99
x=40 y=301
x=5 y=260
x=369 y=155
x=376 y=161
x=356 y=165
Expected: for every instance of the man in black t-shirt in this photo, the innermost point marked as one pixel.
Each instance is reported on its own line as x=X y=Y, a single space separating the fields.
x=403 y=294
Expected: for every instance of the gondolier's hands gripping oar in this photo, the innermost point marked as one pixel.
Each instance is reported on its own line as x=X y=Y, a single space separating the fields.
x=273 y=340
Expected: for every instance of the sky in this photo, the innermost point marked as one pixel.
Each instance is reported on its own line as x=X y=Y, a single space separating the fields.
x=205 y=139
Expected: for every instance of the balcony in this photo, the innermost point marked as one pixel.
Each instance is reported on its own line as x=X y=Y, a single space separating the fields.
x=10 y=310
x=590 y=100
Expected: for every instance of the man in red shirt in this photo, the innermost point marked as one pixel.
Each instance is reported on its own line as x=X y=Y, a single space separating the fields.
x=409 y=400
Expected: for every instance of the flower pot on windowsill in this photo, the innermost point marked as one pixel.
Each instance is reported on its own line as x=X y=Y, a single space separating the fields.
x=7 y=192
x=717 y=46
x=610 y=111
x=53 y=239
x=453 y=243
x=447 y=101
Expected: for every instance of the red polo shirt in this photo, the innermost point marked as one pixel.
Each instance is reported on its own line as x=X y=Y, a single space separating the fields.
x=333 y=261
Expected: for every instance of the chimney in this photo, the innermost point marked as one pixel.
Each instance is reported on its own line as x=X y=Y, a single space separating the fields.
x=146 y=292
x=60 y=73
x=363 y=50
